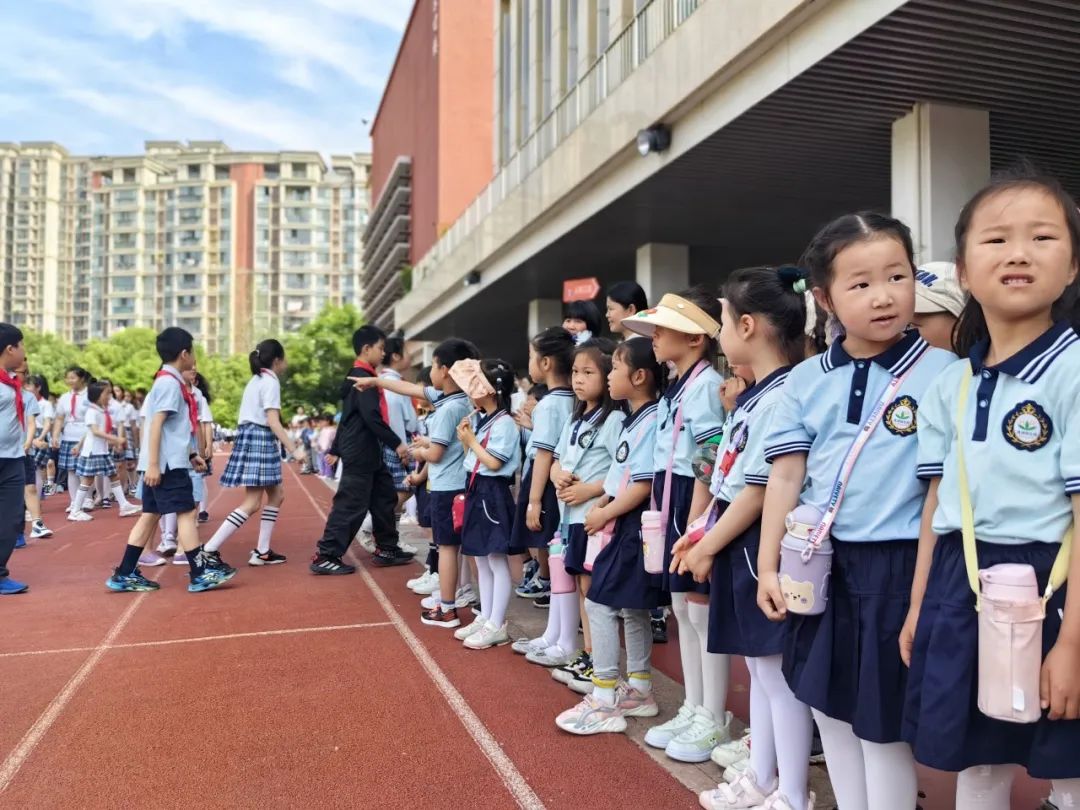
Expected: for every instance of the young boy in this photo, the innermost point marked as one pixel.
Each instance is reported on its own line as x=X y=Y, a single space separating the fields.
x=365 y=482
x=13 y=419
x=402 y=416
x=165 y=459
x=938 y=303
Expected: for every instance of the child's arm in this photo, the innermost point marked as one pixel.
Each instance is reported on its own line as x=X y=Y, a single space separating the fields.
x=604 y=512
x=737 y=518
x=541 y=473
x=1059 y=687
x=31 y=431
x=562 y=478
x=110 y=438
x=273 y=421
x=781 y=496
x=468 y=438
x=927 y=541
x=57 y=427
x=414 y=390
x=152 y=476
x=579 y=492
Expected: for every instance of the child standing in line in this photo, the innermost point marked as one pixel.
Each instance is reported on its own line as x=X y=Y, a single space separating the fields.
x=95 y=457
x=620 y=585
x=164 y=460
x=13 y=425
x=938 y=303
x=69 y=429
x=492 y=456
x=844 y=662
x=39 y=452
x=255 y=462
x=684 y=330
x=762 y=336
x=1006 y=415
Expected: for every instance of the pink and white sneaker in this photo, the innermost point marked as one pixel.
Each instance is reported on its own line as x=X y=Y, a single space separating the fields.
x=635 y=703
x=591 y=716
x=744 y=793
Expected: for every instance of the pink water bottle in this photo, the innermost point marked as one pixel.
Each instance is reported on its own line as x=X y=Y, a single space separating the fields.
x=1010 y=643
x=561 y=580
x=804 y=570
x=652 y=541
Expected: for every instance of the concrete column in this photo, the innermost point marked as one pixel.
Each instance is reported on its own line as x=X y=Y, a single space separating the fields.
x=940 y=157
x=662 y=269
x=544 y=312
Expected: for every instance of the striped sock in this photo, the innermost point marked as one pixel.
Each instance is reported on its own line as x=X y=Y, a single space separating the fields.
x=266 y=527
x=81 y=494
x=236 y=519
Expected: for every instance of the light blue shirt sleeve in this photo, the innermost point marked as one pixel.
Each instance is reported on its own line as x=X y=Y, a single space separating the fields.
x=787 y=432
x=442 y=429
x=30 y=404
x=935 y=428
x=504 y=441
x=564 y=440
x=547 y=426
x=703 y=413
x=610 y=432
x=755 y=467
x=641 y=451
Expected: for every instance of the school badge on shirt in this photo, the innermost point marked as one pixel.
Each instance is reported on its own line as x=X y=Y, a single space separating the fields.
x=900 y=419
x=586 y=439
x=1027 y=426
x=622 y=452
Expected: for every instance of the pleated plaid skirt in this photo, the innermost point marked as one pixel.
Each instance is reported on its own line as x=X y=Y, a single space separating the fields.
x=66 y=458
x=255 y=460
x=91 y=466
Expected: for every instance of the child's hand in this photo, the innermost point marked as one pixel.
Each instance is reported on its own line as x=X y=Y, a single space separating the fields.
x=198 y=463
x=364 y=383
x=730 y=390
x=596 y=520
x=770 y=597
x=39 y=444
x=152 y=476
x=465 y=433
x=524 y=420
x=421 y=441
x=331 y=459
x=678 y=551
x=698 y=563
x=532 y=517
x=563 y=478
x=416 y=451
x=575 y=494
x=907 y=635
x=1059 y=685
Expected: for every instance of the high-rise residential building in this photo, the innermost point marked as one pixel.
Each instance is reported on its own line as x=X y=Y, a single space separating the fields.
x=233 y=246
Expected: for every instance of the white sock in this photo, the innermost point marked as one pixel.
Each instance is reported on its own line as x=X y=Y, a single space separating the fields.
x=985 y=787
x=170 y=525
x=763 y=751
x=555 y=607
x=689 y=650
x=485 y=580
x=73 y=485
x=891 y=783
x=1066 y=793
x=604 y=694
x=502 y=585
x=236 y=519
x=792 y=728
x=715 y=668
x=81 y=494
x=643 y=685
x=38 y=479
x=266 y=527
x=569 y=618
x=202 y=506
x=118 y=495
x=842 y=746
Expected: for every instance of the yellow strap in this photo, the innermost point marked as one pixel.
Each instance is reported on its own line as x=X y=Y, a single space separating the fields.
x=1060 y=570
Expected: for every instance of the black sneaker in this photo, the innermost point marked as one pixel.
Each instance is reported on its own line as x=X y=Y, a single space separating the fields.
x=659 y=627
x=542 y=602
x=385 y=557
x=569 y=672
x=204 y=517
x=212 y=560
x=322 y=564
x=271 y=557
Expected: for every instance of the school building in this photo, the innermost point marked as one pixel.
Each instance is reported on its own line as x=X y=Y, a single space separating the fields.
x=670 y=141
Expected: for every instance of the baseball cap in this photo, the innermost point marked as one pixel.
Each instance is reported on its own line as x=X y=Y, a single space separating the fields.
x=938 y=290
x=675 y=313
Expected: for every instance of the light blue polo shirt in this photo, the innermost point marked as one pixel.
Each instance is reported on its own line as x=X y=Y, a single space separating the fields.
x=822 y=407
x=748 y=425
x=702 y=419
x=12 y=435
x=31 y=407
x=503 y=441
x=549 y=417
x=587 y=449
x=1021 y=442
x=165 y=397
x=633 y=451
x=447 y=474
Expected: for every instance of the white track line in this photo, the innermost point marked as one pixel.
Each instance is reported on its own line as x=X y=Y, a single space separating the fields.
x=511 y=777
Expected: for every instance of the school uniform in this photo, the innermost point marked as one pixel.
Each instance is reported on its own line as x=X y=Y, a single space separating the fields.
x=846 y=661
x=549 y=417
x=256 y=457
x=116 y=414
x=702 y=419
x=198 y=484
x=96 y=457
x=489 y=505
x=12 y=472
x=586 y=448
x=30 y=410
x=446 y=477
x=1022 y=452
x=619 y=578
x=72 y=406
x=46 y=414
x=129 y=417
x=173 y=494
x=423 y=494
x=737 y=626
x=401 y=417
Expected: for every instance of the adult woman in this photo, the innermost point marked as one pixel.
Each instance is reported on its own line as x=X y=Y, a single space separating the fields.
x=624 y=299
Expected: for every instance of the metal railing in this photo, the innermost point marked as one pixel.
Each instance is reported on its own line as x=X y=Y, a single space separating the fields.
x=650 y=27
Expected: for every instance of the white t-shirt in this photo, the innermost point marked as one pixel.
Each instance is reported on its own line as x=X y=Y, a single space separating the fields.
x=204 y=406
x=116 y=411
x=74 y=426
x=262 y=393
x=94 y=446
x=47 y=412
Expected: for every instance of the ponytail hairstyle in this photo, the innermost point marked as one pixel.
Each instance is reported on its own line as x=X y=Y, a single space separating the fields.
x=204 y=386
x=265 y=354
x=637 y=354
x=558 y=344
x=778 y=294
x=599 y=350
x=501 y=376
x=81 y=373
x=96 y=389
x=41 y=384
x=971 y=327
x=710 y=305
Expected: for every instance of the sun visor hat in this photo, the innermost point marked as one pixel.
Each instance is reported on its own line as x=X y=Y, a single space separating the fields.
x=673 y=313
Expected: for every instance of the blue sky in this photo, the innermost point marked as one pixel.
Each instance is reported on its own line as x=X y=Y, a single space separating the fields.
x=102 y=76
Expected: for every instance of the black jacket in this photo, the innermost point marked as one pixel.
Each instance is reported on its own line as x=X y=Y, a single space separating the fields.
x=362 y=430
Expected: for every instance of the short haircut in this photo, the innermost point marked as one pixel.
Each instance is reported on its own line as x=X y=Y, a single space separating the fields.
x=366 y=336
x=172 y=342
x=10 y=335
x=96 y=389
x=453 y=349
x=395 y=345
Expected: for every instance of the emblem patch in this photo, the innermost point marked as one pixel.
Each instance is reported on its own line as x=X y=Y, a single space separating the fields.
x=622 y=452
x=1027 y=426
x=901 y=416
x=586 y=439
x=736 y=430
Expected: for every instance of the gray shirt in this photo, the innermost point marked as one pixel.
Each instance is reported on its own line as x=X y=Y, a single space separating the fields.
x=166 y=397
x=12 y=435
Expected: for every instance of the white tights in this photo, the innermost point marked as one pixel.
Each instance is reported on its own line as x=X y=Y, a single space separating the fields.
x=988 y=787
x=705 y=675
x=493 y=576
x=783 y=731
x=867 y=775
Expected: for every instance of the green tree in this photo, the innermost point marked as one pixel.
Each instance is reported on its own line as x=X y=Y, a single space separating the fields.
x=50 y=357
x=227 y=377
x=319 y=356
x=129 y=358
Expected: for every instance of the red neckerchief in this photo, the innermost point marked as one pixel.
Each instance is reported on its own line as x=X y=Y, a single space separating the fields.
x=384 y=409
x=74 y=397
x=13 y=382
x=189 y=399
x=108 y=418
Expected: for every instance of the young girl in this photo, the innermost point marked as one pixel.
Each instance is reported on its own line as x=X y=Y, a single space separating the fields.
x=844 y=662
x=200 y=389
x=582 y=320
x=69 y=427
x=1018 y=248
x=761 y=335
x=95 y=457
x=492 y=457
x=582 y=459
x=537 y=515
x=620 y=585
x=39 y=387
x=684 y=329
x=255 y=462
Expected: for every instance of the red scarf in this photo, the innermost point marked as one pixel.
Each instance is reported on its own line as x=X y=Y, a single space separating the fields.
x=74 y=397
x=189 y=399
x=13 y=382
x=108 y=418
x=384 y=409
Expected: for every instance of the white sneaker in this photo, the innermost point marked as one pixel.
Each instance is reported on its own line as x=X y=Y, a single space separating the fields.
x=731 y=752
x=39 y=531
x=407 y=548
x=68 y=507
x=167 y=544
x=697 y=742
x=463 y=633
x=553 y=656
x=367 y=542
x=465 y=596
x=524 y=646
x=412 y=583
x=659 y=736
x=743 y=794
x=130 y=510
x=78 y=517
x=778 y=801
x=407 y=520
x=427 y=584
x=488 y=636
x=734 y=772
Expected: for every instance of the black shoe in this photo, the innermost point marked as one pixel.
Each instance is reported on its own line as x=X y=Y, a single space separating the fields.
x=322 y=564
x=543 y=602
x=659 y=630
x=204 y=517
x=212 y=560
x=385 y=557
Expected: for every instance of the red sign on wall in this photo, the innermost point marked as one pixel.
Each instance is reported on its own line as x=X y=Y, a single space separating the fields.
x=580 y=289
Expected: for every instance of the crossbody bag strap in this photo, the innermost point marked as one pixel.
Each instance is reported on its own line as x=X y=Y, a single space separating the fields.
x=483 y=445
x=666 y=500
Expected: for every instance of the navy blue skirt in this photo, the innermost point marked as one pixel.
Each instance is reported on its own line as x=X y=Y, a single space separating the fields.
x=736 y=624
x=524 y=539
x=682 y=496
x=619 y=578
x=489 y=516
x=576 y=542
x=942 y=720
x=846 y=662
x=423 y=507
x=440 y=508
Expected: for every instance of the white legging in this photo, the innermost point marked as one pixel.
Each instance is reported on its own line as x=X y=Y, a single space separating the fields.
x=867 y=775
x=783 y=731
x=493 y=577
x=988 y=787
x=706 y=675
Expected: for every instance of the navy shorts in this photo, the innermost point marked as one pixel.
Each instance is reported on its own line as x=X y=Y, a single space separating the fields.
x=172 y=495
x=442 y=519
x=576 y=542
x=30 y=469
x=423 y=507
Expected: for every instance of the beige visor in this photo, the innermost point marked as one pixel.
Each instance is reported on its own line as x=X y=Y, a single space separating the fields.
x=673 y=313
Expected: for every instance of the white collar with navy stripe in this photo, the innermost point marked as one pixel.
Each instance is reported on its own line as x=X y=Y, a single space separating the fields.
x=896 y=359
x=446 y=399
x=749 y=398
x=639 y=414
x=1032 y=361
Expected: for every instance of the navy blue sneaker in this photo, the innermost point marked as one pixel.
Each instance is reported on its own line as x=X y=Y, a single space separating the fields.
x=534 y=588
x=20 y=541
x=211 y=560
x=9 y=586
x=134 y=581
x=209 y=579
